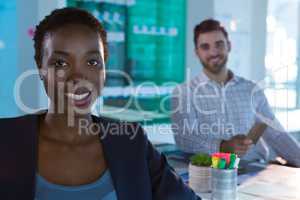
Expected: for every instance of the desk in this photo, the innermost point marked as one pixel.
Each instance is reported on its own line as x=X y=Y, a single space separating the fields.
x=270 y=182
x=274 y=183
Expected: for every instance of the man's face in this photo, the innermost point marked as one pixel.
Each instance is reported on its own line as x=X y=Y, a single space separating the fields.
x=213 y=49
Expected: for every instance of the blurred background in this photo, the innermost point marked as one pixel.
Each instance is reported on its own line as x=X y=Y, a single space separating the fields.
x=151 y=41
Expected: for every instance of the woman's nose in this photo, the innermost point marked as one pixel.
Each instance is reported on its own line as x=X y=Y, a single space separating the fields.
x=75 y=79
x=77 y=73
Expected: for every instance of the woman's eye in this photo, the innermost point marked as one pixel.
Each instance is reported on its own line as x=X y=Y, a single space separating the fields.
x=60 y=63
x=93 y=62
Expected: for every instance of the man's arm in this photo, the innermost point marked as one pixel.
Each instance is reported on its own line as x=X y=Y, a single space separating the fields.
x=284 y=145
x=240 y=144
x=256 y=132
x=280 y=141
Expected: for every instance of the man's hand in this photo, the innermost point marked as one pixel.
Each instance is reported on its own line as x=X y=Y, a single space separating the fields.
x=238 y=144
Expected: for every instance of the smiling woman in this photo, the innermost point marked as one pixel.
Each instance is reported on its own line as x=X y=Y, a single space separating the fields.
x=52 y=157
x=75 y=53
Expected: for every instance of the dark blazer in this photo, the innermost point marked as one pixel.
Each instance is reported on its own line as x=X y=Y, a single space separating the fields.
x=138 y=171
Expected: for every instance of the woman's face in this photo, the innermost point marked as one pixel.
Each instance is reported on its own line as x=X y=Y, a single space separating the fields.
x=73 y=67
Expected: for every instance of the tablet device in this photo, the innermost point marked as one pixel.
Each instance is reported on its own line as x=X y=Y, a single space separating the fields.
x=256 y=132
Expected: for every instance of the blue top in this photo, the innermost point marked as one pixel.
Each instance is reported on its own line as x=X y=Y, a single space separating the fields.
x=101 y=189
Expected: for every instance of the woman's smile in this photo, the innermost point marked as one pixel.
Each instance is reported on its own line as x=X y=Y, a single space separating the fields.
x=81 y=97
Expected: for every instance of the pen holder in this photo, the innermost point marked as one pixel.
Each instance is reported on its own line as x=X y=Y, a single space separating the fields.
x=224 y=184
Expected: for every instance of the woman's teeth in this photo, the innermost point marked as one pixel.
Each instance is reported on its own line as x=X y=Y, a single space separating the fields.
x=78 y=96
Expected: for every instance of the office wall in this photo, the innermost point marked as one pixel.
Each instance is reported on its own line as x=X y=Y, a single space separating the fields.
x=28 y=91
x=246 y=23
x=197 y=10
x=248 y=63
x=8 y=54
x=258 y=39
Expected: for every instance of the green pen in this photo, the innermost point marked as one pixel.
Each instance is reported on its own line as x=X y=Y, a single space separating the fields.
x=232 y=161
x=222 y=164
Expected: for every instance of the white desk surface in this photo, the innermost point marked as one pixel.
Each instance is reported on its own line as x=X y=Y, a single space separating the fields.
x=274 y=183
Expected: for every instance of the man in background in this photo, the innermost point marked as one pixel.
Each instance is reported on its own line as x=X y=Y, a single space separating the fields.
x=217 y=110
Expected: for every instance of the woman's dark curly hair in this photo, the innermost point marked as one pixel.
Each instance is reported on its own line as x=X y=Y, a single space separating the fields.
x=59 y=18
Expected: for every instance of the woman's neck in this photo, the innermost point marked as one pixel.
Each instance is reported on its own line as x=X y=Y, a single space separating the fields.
x=67 y=128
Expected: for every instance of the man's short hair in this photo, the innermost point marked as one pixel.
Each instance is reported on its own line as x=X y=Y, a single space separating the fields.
x=208 y=25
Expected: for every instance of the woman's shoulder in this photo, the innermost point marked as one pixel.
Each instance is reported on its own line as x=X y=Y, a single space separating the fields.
x=16 y=130
x=27 y=118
